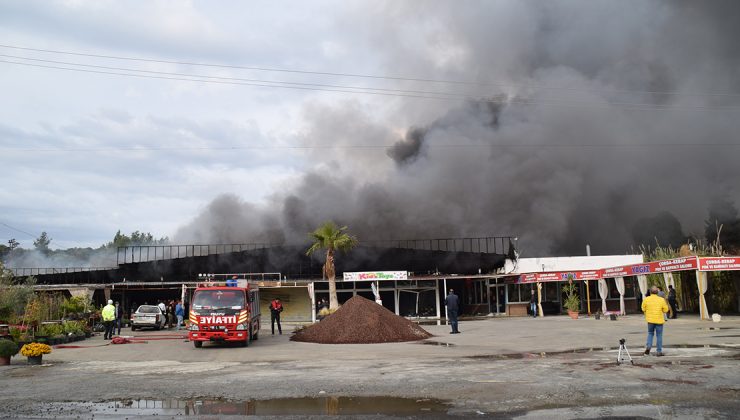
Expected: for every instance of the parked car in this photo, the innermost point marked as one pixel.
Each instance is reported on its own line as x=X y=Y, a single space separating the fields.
x=148 y=316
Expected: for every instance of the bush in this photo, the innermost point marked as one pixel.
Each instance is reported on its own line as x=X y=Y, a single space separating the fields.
x=14 y=295
x=76 y=305
x=572 y=301
x=74 y=327
x=8 y=348
x=50 y=330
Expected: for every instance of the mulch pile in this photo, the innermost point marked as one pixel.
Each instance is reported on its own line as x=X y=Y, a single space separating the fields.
x=361 y=321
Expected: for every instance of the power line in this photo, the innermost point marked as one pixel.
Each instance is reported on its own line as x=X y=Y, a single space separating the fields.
x=365 y=76
x=18 y=230
x=512 y=101
x=452 y=94
x=383 y=146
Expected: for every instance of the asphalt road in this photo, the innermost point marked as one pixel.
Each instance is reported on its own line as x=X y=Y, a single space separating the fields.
x=505 y=367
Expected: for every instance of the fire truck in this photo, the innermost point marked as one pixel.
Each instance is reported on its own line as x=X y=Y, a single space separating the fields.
x=224 y=314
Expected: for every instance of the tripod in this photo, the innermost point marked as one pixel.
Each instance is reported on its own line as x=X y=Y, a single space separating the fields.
x=624 y=354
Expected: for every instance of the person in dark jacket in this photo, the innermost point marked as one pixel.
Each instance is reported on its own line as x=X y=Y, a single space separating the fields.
x=452 y=303
x=533 y=303
x=672 y=301
x=119 y=319
x=275 y=308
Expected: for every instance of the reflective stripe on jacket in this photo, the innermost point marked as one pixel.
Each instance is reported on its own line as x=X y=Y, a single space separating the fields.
x=654 y=307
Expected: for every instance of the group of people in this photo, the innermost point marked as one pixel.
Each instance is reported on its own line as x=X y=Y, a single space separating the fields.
x=112 y=315
x=174 y=311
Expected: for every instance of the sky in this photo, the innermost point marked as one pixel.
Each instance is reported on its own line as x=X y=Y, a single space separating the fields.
x=561 y=122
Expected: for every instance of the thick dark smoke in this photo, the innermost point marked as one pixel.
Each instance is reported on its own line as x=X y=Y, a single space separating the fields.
x=406 y=151
x=604 y=114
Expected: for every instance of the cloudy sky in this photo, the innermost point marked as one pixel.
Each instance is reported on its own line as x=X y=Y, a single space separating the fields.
x=561 y=122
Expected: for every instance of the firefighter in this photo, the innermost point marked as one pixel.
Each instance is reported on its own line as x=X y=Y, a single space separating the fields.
x=275 y=308
x=109 y=315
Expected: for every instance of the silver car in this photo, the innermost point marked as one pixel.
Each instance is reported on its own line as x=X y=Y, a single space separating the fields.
x=148 y=316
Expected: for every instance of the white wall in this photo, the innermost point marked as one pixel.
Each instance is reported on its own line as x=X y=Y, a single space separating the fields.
x=533 y=265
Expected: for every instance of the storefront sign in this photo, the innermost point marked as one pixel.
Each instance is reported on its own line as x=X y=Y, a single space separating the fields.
x=559 y=276
x=376 y=275
x=719 y=263
x=675 y=264
x=528 y=278
x=663 y=266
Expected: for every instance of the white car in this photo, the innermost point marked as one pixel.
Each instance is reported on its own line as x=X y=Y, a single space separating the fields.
x=148 y=316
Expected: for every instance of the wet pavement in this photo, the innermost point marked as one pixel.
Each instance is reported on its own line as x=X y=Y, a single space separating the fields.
x=501 y=368
x=345 y=406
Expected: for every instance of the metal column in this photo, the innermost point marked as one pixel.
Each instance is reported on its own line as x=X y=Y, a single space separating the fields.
x=436 y=293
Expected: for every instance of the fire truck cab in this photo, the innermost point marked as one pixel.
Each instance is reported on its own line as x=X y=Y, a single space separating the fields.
x=224 y=313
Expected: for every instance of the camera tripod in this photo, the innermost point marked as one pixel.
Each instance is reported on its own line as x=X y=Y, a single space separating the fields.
x=624 y=354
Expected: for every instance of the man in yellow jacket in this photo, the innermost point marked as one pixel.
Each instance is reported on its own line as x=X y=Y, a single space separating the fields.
x=654 y=307
x=109 y=315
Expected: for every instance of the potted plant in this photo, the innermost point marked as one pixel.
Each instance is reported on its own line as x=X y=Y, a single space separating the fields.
x=572 y=302
x=35 y=352
x=8 y=349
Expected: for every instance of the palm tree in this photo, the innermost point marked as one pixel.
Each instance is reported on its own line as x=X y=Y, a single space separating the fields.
x=331 y=237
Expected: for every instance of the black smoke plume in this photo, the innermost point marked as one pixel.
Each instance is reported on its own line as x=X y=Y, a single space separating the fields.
x=604 y=114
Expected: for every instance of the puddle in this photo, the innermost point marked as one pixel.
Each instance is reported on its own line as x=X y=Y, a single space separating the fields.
x=717 y=328
x=435 y=343
x=352 y=406
x=671 y=381
x=539 y=355
x=701 y=346
x=542 y=355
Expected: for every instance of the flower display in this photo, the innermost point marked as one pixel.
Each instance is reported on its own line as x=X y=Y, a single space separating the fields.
x=35 y=349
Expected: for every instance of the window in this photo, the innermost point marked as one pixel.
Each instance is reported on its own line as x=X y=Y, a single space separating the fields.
x=525 y=292
x=513 y=290
x=630 y=285
x=550 y=291
x=478 y=293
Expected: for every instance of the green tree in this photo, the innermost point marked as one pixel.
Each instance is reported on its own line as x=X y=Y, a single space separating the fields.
x=136 y=238
x=42 y=243
x=14 y=294
x=331 y=238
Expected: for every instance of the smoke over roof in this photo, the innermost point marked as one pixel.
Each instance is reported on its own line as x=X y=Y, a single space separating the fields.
x=593 y=116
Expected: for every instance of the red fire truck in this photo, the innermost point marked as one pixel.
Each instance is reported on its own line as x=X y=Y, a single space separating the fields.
x=224 y=313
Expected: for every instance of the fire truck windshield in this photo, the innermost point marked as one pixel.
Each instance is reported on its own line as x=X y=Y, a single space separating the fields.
x=218 y=299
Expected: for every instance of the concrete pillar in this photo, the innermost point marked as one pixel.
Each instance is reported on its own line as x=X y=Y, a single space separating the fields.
x=436 y=294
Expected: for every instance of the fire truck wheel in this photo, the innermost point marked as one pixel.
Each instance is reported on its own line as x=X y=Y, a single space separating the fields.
x=244 y=343
x=198 y=344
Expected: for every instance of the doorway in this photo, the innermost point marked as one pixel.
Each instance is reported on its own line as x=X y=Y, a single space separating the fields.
x=497 y=298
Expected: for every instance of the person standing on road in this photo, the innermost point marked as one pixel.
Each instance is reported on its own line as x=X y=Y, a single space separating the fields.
x=109 y=315
x=672 y=301
x=452 y=303
x=163 y=308
x=533 y=303
x=119 y=319
x=179 y=313
x=654 y=308
x=275 y=308
x=661 y=293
